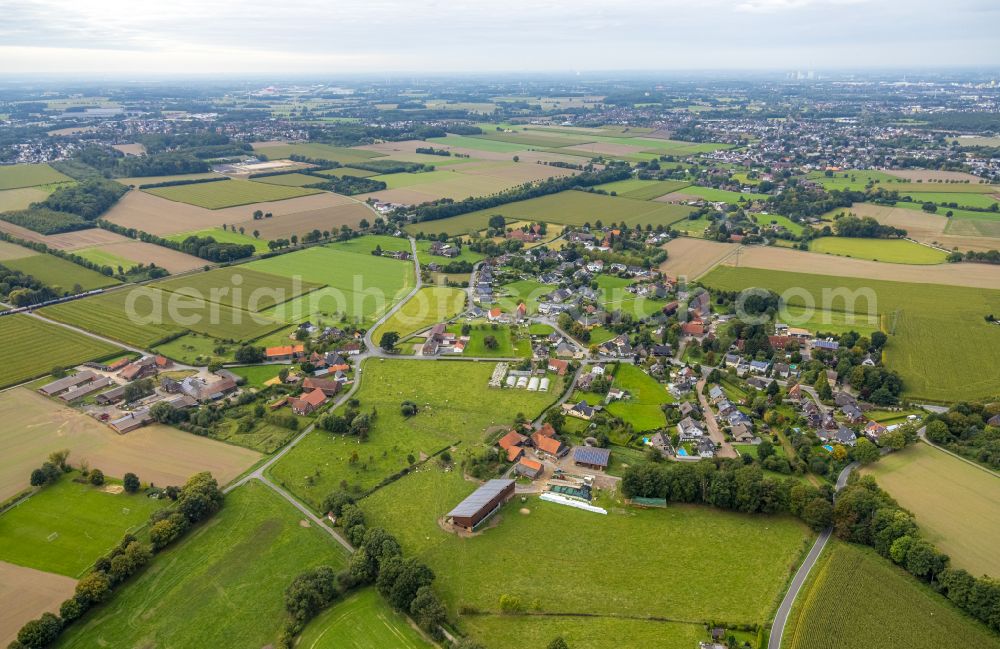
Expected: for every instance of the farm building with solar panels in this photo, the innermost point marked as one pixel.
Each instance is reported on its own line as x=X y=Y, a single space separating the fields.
x=481 y=503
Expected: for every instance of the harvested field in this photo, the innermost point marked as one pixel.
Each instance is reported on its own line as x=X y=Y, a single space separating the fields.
x=44 y=346
x=84 y=239
x=677 y=197
x=10 y=251
x=25 y=594
x=130 y=149
x=229 y=193
x=21 y=233
x=148 y=253
x=20 y=199
x=926 y=175
x=568 y=208
x=607 y=148
x=36 y=426
x=954 y=503
x=786 y=259
x=289 y=180
x=693 y=258
x=937 y=229
x=299 y=223
x=29 y=175
x=144 y=211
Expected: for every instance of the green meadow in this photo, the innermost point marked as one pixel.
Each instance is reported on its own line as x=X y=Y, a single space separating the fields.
x=895 y=251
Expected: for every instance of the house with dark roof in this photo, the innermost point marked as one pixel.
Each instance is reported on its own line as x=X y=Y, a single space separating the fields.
x=580 y=410
x=481 y=503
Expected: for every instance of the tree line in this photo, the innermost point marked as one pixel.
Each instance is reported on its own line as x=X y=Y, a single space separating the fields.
x=205 y=247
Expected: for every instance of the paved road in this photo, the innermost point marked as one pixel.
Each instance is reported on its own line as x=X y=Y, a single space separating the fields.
x=781 y=618
x=714 y=432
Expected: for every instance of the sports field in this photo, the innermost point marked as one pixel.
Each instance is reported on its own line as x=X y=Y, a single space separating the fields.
x=642 y=407
x=361 y=621
x=66 y=526
x=955 y=503
x=34 y=426
x=358 y=286
x=429 y=306
x=228 y=193
x=456 y=405
x=855 y=598
x=29 y=175
x=55 y=271
x=568 y=208
x=34 y=347
x=250 y=551
x=941 y=354
x=895 y=251
x=594 y=564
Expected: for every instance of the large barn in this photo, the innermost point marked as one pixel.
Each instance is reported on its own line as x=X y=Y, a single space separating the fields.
x=482 y=502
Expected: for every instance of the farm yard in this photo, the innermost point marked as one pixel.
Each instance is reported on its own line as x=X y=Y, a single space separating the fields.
x=25 y=594
x=932 y=366
x=35 y=426
x=954 y=503
x=29 y=175
x=228 y=193
x=256 y=539
x=855 y=598
x=66 y=526
x=894 y=251
x=50 y=346
x=456 y=407
x=362 y=620
x=474 y=572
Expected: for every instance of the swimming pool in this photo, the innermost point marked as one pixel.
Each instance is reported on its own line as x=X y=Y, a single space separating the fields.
x=829 y=449
x=682 y=452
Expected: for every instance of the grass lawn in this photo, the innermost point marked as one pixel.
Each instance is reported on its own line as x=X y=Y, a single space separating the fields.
x=527 y=291
x=961 y=199
x=856 y=179
x=855 y=598
x=429 y=306
x=405 y=179
x=361 y=621
x=643 y=190
x=505 y=632
x=221 y=586
x=896 y=251
x=29 y=175
x=955 y=503
x=197 y=349
x=777 y=219
x=257 y=375
x=359 y=286
x=722 y=195
x=642 y=408
x=48 y=345
x=366 y=245
x=599 y=335
x=820 y=320
x=56 y=271
x=66 y=526
x=289 y=180
x=933 y=366
x=754 y=553
x=751 y=450
x=228 y=193
x=566 y=208
x=456 y=406
x=245 y=286
x=105 y=258
x=477 y=143
x=506 y=345
x=223 y=236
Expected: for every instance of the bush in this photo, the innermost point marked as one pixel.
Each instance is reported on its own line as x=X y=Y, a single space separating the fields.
x=131 y=483
x=96 y=477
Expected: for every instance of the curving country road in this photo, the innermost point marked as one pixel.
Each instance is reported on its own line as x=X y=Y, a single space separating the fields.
x=781 y=617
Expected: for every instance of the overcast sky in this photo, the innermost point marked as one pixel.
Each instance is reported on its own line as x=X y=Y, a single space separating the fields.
x=168 y=37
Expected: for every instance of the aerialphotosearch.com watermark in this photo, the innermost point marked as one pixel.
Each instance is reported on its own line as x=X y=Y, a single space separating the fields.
x=237 y=302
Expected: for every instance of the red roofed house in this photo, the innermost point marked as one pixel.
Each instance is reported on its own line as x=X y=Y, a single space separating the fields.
x=874 y=430
x=522 y=311
x=779 y=342
x=328 y=387
x=549 y=445
x=558 y=366
x=308 y=402
x=284 y=352
x=494 y=314
x=696 y=328
x=547 y=430
x=512 y=443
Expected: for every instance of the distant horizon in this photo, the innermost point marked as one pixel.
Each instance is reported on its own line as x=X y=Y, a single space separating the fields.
x=108 y=37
